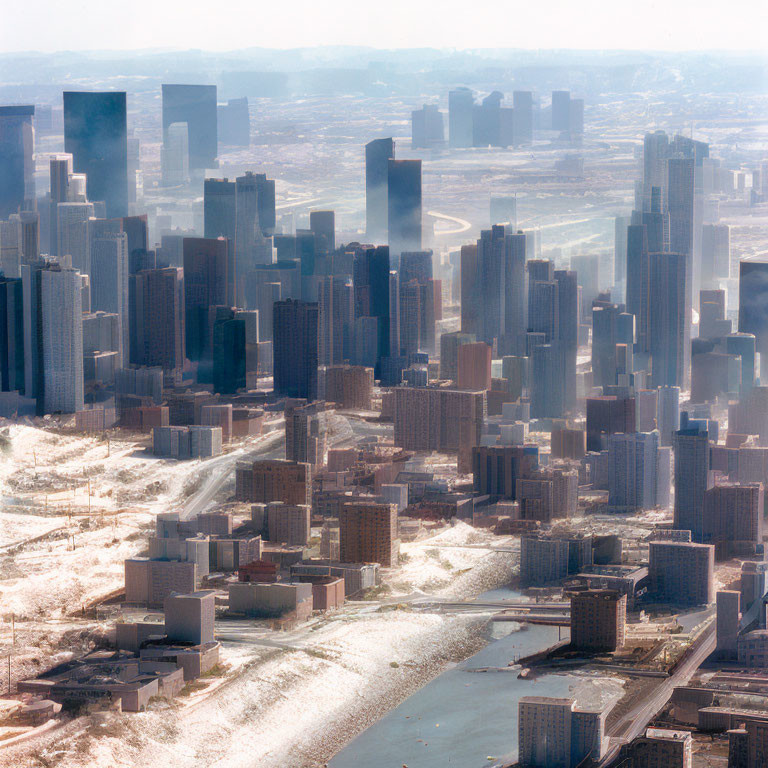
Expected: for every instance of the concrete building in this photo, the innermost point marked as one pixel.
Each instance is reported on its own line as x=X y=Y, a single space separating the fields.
x=634 y=480
x=288 y=523
x=349 y=386
x=368 y=533
x=554 y=733
x=443 y=420
x=692 y=476
x=193 y=442
x=728 y=615
x=681 y=573
x=273 y=480
x=190 y=618
x=662 y=748
x=752 y=649
x=474 y=366
x=496 y=469
x=607 y=415
x=545 y=560
x=306 y=427
x=62 y=340
x=733 y=518
x=150 y=582
x=358 y=577
x=598 y=620
x=276 y=600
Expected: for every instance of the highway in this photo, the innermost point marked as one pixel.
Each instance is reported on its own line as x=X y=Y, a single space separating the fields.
x=463 y=224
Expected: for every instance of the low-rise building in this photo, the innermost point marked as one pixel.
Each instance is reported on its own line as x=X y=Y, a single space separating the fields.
x=272 y=601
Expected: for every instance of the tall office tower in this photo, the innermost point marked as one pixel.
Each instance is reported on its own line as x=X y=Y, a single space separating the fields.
x=371 y=279
x=669 y=330
x=743 y=344
x=691 y=447
x=378 y=153
x=430 y=311
x=72 y=235
x=668 y=413
x=656 y=150
x=471 y=307
x=220 y=218
x=174 y=156
x=522 y=117
x=680 y=204
x=490 y=284
x=587 y=268
x=567 y=333
x=295 y=329
x=335 y=320
x=410 y=315
x=368 y=533
x=554 y=732
x=539 y=271
x=486 y=121
x=62 y=340
x=415 y=265
x=11 y=335
x=229 y=348
x=656 y=223
x=543 y=303
x=60 y=171
x=548 y=394
x=503 y=210
x=404 y=206
x=607 y=415
x=267 y=204
x=514 y=292
x=96 y=135
x=323 y=224
x=474 y=366
x=234 y=123
x=450 y=343
x=733 y=519
x=712 y=322
x=157 y=334
x=427 y=127
x=11 y=257
x=247 y=228
x=715 y=253
x=394 y=315
x=620 y=250
x=753 y=306
x=638 y=276
x=561 y=110
x=461 y=104
x=576 y=118
x=633 y=472
x=17 y=158
x=194 y=105
x=205 y=286
x=109 y=282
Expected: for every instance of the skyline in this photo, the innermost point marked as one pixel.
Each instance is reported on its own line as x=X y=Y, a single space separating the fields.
x=399 y=25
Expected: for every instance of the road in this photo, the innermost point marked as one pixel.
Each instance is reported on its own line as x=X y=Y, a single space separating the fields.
x=463 y=224
x=631 y=725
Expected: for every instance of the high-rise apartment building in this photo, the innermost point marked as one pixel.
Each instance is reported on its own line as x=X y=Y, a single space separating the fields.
x=269 y=480
x=681 y=573
x=368 y=533
x=692 y=475
x=598 y=620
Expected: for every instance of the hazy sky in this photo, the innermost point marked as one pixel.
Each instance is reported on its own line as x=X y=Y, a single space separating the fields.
x=51 y=25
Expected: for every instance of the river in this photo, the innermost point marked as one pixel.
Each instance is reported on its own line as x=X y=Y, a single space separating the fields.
x=463 y=717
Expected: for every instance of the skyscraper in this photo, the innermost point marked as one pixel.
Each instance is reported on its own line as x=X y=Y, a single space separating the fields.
x=692 y=462
x=62 y=340
x=378 y=153
x=11 y=335
x=404 y=206
x=753 y=305
x=460 y=117
x=295 y=331
x=174 y=155
x=205 y=286
x=194 y=105
x=668 y=319
x=109 y=282
x=17 y=159
x=157 y=336
x=561 y=110
x=522 y=116
x=371 y=291
x=96 y=135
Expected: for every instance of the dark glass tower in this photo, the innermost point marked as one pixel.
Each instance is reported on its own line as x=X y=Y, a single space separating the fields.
x=404 y=206
x=378 y=153
x=96 y=134
x=17 y=165
x=295 y=348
